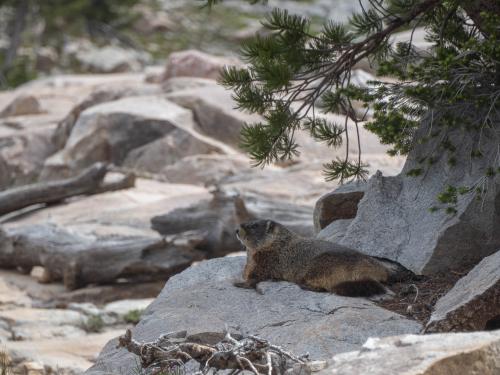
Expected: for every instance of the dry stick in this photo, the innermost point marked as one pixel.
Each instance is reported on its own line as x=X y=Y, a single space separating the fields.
x=249 y=353
x=90 y=181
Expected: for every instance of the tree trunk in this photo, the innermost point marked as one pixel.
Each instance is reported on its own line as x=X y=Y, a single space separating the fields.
x=19 y=24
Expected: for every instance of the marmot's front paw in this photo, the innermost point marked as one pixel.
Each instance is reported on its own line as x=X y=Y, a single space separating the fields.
x=244 y=284
x=248 y=285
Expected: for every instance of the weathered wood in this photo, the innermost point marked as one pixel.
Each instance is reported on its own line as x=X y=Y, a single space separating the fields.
x=90 y=181
x=218 y=217
x=251 y=353
x=82 y=260
x=125 y=181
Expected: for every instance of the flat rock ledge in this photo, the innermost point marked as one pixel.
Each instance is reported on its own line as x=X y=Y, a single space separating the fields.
x=473 y=304
x=437 y=354
x=203 y=299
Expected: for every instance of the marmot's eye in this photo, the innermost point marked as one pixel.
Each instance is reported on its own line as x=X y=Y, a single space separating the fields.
x=270 y=226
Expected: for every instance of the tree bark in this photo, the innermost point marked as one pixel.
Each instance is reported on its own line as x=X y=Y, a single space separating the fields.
x=18 y=26
x=474 y=8
x=90 y=181
x=80 y=260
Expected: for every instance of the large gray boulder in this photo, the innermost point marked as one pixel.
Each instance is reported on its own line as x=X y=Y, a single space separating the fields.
x=439 y=354
x=394 y=219
x=214 y=112
x=203 y=299
x=154 y=157
x=98 y=96
x=473 y=304
x=109 y=131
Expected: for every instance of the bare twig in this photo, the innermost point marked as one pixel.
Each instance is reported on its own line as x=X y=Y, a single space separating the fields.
x=248 y=353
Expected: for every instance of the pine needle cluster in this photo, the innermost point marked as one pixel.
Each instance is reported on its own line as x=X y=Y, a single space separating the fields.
x=294 y=75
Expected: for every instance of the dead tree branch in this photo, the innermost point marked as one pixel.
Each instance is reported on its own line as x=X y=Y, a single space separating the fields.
x=250 y=353
x=90 y=181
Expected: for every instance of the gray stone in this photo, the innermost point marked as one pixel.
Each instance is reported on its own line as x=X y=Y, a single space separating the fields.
x=62 y=355
x=24 y=153
x=99 y=96
x=110 y=59
x=86 y=308
x=473 y=304
x=174 y=84
x=204 y=169
x=439 y=354
x=155 y=156
x=122 y=307
x=394 y=219
x=341 y=204
x=109 y=131
x=149 y=20
x=214 y=112
x=417 y=38
x=192 y=63
x=21 y=106
x=203 y=299
x=29 y=323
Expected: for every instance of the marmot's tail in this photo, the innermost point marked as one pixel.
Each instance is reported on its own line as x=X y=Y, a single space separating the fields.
x=398 y=273
x=359 y=288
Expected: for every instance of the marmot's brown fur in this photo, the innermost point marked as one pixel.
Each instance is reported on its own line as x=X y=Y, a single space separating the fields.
x=276 y=253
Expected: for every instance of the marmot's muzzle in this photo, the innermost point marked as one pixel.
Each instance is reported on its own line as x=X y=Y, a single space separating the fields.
x=240 y=231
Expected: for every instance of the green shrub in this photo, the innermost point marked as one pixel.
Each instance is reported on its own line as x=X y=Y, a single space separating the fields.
x=93 y=324
x=133 y=316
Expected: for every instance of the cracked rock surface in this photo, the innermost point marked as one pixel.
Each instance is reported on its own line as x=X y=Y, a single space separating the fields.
x=203 y=299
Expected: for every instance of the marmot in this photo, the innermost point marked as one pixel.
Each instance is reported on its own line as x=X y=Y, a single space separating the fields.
x=276 y=253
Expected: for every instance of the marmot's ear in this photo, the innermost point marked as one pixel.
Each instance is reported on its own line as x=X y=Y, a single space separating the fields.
x=270 y=226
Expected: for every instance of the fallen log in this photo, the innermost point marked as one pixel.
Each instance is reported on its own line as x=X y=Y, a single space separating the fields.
x=82 y=260
x=90 y=181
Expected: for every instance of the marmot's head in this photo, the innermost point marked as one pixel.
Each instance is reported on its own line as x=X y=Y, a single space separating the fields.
x=260 y=233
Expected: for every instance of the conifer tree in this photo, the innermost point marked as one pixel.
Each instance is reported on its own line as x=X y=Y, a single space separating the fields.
x=294 y=74
x=58 y=19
